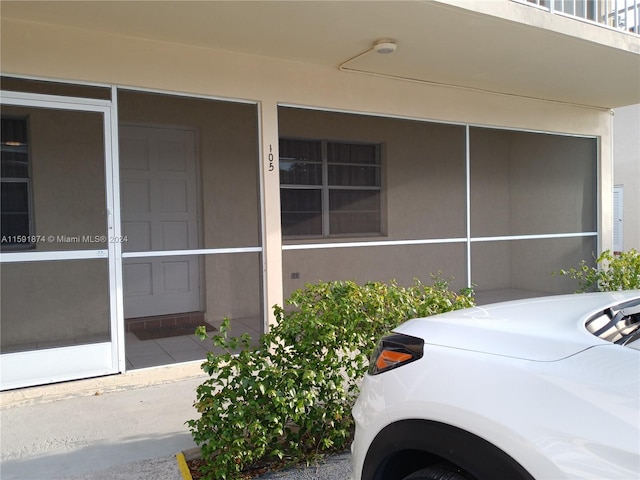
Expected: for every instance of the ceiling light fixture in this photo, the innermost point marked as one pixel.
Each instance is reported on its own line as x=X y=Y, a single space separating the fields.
x=385 y=46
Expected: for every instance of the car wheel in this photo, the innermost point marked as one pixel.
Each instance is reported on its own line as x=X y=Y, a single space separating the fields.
x=441 y=471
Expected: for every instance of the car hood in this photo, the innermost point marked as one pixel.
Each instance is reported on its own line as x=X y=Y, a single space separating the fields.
x=540 y=329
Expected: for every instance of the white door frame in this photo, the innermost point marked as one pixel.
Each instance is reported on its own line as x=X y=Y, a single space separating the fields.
x=618 y=218
x=74 y=362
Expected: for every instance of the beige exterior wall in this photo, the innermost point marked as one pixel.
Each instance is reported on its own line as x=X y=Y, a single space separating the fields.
x=557 y=175
x=43 y=50
x=403 y=264
x=78 y=55
x=35 y=304
x=531 y=184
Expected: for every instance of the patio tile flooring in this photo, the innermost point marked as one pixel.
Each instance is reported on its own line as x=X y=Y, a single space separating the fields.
x=186 y=348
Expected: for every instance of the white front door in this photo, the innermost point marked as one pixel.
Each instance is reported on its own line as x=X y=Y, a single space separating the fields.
x=159 y=213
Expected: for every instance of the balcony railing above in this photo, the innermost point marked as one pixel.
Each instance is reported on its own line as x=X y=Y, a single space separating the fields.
x=617 y=14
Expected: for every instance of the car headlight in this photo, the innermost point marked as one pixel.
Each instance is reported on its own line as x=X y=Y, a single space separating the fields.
x=393 y=351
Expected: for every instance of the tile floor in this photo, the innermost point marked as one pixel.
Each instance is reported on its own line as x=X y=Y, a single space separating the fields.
x=165 y=351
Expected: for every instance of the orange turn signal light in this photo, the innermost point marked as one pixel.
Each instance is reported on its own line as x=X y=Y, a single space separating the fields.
x=390 y=358
x=395 y=350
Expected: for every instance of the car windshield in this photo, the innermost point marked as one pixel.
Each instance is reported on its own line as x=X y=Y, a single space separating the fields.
x=619 y=324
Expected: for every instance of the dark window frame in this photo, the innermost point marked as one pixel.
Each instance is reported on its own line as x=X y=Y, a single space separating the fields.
x=355 y=179
x=17 y=240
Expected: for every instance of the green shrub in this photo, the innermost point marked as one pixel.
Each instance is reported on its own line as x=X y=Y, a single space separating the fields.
x=290 y=398
x=611 y=273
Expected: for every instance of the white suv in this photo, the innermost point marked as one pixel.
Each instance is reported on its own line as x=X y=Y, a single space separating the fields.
x=545 y=388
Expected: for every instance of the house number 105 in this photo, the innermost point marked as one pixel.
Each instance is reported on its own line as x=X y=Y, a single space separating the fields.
x=270 y=158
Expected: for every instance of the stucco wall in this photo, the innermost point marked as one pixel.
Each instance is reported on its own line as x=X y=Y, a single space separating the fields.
x=534 y=262
x=47 y=304
x=553 y=184
x=403 y=264
x=530 y=184
x=524 y=183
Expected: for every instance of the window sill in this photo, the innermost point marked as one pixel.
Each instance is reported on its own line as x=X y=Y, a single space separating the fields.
x=288 y=240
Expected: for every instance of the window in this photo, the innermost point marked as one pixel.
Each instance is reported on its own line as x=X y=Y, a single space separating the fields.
x=16 y=184
x=330 y=188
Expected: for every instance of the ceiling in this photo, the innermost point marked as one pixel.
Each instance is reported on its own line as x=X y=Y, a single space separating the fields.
x=436 y=42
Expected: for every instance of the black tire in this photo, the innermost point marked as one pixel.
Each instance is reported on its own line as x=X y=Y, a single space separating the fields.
x=441 y=471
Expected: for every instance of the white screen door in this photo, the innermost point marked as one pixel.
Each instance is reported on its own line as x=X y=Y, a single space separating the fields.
x=59 y=316
x=159 y=213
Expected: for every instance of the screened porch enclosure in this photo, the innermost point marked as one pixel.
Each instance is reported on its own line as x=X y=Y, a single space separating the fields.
x=500 y=210
x=190 y=212
x=185 y=192
x=122 y=235
x=58 y=319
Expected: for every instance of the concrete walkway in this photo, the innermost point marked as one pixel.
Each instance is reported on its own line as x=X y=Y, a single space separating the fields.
x=125 y=426
x=122 y=427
